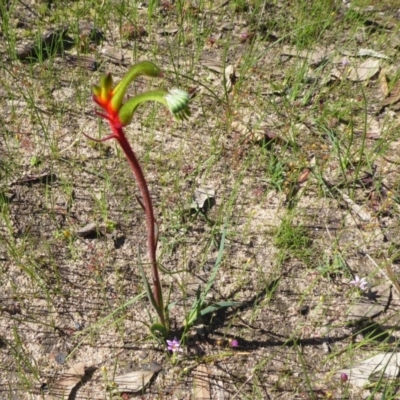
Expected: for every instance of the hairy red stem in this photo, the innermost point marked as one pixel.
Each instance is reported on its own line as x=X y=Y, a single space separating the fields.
x=119 y=135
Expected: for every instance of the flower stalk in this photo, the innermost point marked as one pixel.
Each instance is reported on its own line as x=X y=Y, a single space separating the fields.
x=118 y=115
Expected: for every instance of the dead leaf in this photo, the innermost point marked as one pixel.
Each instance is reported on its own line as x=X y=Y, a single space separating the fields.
x=383 y=83
x=393 y=97
x=133 y=381
x=113 y=56
x=303 y=176
x=374 y=129
x=372 y=369
x=230 y=77
x=364 y=71
x=171 y=30
x=240 y=128
x=371 y=53
x=212 y=64
x=255 y=135
x=315 y=57
x=62 y=388
x=201 y=383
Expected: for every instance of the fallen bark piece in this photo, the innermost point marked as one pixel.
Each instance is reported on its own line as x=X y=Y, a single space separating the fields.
x=89 y=229
x=372 y=53
x=62 y=388
x=371 y=303
x=393 y=97
x=373 y=369
x=133 y=381
x=364 y=71
x=204 y=199
x=201 y=383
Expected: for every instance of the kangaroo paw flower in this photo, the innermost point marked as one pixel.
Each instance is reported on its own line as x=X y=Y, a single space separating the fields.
x=119 y=114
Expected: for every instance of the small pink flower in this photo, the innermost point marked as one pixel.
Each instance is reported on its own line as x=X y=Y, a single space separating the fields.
x=344 y=377
x=345 y=62
x=246 y=37
x=233 y=343
x=360 y=283
x=174 y=345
